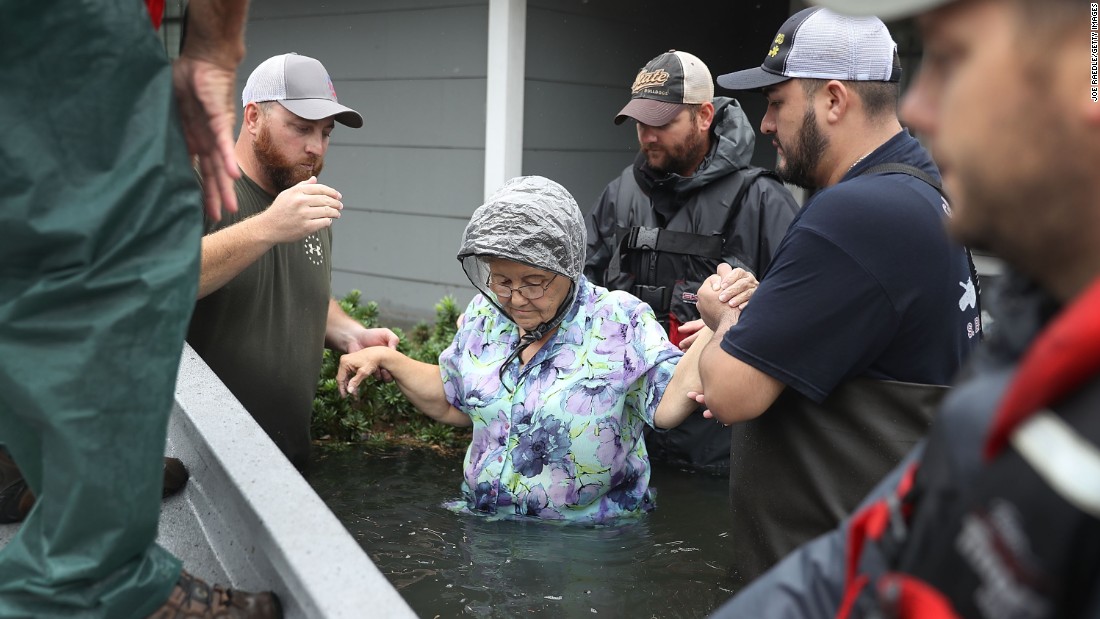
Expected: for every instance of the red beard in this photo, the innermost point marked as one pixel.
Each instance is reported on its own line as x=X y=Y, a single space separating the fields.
x=280 y=171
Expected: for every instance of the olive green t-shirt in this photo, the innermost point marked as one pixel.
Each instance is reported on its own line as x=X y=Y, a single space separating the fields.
x=263 y=333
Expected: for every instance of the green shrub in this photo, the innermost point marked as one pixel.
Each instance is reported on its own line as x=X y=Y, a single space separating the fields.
x=382 y=416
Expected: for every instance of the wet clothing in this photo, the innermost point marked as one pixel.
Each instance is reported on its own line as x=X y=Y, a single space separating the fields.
x=99 y=263
x=866 y=311
x=561 y=438
x=263 y=333
x=996 y=515
x=727 y=211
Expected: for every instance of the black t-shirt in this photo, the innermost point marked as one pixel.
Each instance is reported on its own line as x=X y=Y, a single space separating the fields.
x=866 y=309
x=866 y=283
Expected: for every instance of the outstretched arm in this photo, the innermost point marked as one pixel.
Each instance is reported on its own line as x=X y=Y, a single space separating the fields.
x=675 y=404
x=204 y=78
x=419 y=381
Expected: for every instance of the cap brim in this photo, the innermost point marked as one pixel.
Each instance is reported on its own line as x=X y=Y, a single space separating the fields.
x=649 y=112
x=750 y=79
x=316 y=109
x=883 y=9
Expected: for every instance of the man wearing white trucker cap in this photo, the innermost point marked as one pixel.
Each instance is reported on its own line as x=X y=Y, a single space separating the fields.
x=265 y=310
x=997 y=515
x=832 y=372
x=689 y=202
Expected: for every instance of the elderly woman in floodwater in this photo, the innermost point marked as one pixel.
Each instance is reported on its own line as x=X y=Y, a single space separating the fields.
x=556 y=375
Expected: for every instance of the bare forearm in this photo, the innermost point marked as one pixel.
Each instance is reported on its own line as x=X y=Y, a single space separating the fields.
x=215 y=31
x=675 y=405
x=734 y=390
x=339 y=327
x=423 y=386
x=229 y=251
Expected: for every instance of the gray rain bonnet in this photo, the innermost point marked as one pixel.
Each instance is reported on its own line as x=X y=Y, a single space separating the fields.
x=532 y=220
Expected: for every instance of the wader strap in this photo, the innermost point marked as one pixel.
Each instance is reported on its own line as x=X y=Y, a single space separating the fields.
x=661 y=240
x=915 y=172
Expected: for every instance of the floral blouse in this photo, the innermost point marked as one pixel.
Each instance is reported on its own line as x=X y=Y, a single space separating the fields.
x=561 y=439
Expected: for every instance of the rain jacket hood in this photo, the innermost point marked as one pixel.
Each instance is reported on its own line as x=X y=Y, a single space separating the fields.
x=532 y=220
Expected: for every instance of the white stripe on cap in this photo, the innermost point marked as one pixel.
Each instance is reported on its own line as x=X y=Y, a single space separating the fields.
x=1063 y=458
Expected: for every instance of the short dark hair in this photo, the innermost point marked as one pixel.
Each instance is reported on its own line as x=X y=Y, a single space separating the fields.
x=693 y=110
x=879 y=98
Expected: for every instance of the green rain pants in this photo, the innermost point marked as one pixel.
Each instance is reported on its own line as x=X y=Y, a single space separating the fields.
x=100 y=223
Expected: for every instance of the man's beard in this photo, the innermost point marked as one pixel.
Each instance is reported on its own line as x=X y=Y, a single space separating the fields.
x=800 y=163
x=280 y=172
x=682 y=158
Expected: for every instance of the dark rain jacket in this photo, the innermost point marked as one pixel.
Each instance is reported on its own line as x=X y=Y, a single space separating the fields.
x=728 y=211
x=745 y=211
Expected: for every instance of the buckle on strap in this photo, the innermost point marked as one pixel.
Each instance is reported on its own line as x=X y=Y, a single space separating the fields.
x=643 y=238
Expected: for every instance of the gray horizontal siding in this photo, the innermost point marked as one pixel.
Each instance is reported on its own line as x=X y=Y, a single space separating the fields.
x=413 y=174
x=417 y=71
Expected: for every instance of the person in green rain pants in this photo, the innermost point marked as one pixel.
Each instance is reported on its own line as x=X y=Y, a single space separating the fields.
x=99 y=257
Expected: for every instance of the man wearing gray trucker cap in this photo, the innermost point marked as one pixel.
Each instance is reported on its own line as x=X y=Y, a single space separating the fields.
x=831 y=374
x=265 y=310
x=998 y=514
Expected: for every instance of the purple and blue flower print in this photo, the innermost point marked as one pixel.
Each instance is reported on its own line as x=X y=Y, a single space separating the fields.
x=566 y=443
x=545 y=444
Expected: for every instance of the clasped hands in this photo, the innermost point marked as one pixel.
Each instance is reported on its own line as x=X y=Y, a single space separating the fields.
x=721 y=298
x=728 y=290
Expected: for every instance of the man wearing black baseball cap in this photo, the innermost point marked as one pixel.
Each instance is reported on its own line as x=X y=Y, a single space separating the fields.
x=265 y=311
x=689 y=202
x=998 y=515
x=867 y=302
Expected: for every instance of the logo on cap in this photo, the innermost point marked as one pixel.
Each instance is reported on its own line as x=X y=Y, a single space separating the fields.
x=779 y=38
x=646 y=79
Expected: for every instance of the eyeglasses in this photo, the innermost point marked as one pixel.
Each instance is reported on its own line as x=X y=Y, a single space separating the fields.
x=529 y=292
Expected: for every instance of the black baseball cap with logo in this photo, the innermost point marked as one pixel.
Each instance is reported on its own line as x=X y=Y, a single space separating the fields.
x=816 y=43
x=666 y=85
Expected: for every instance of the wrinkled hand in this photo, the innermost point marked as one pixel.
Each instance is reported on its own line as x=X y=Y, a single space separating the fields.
x=710 y=307
x=724 y=293
x=301 y=210
x=378 y=336
x=356 y=367
x=701 y=399
x=736 y=286
x=204 y=92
